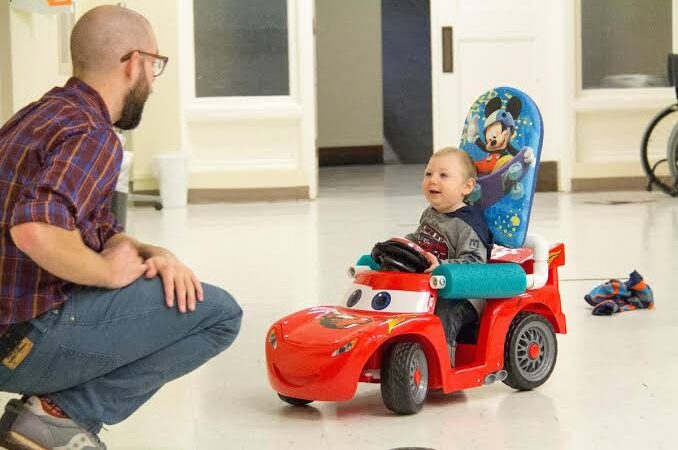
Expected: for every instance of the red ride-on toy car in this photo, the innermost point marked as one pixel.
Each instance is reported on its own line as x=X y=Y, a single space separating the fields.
x=386 y=332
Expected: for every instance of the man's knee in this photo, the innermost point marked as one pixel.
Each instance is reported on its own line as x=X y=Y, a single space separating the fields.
x=226 y=328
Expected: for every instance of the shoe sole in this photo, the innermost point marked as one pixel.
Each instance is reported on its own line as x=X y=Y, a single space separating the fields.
x=14 y=441
x=9 y=439
x=12 y=410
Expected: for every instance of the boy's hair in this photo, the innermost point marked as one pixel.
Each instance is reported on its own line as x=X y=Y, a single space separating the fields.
x=466 y=160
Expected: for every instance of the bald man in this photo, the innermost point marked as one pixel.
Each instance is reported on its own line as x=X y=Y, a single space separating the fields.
x=92 y=322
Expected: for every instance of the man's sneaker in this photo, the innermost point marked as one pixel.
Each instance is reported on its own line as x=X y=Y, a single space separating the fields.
x=26 y=426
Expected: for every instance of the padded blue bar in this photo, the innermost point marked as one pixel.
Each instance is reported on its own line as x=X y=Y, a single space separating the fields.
x=464 y=281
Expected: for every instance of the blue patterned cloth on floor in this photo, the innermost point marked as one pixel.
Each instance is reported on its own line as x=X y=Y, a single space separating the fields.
x=618 y=296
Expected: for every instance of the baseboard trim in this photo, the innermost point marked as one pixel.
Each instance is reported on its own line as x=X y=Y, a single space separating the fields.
x=198 y=196
x=547 y=181
x=609 y=184
x=340 y=156
x=202 y=196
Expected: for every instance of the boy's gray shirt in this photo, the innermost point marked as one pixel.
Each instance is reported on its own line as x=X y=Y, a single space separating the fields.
x=449 y=238
x=452 y=240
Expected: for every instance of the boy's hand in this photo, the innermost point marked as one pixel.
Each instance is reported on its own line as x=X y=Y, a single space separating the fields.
x=433 y=260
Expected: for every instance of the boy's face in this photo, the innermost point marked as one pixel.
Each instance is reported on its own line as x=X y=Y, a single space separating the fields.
x=445 y=184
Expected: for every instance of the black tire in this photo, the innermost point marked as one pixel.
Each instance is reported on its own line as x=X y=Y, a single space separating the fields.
x=404 y=378
x=649 y=168
x=672 y=154
x=530 y=351
x=294 y=401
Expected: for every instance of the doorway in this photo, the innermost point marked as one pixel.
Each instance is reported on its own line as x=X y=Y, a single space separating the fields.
x=374 y=81
x=406 y=62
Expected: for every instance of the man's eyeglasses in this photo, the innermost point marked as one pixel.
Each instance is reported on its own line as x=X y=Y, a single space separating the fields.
x=159 y=61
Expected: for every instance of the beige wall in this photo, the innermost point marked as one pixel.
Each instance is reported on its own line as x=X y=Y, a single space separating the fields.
x=348 y=44
x=160 y=129
x=224 y=153
x=34 y=38
x=6 y=94
x=603 y=142
x=608 y=142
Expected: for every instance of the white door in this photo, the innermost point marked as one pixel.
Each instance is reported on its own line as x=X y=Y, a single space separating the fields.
x=249 y=95
x=489 y=43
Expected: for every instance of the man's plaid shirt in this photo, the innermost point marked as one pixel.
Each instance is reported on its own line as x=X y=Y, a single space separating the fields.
x=59 y=163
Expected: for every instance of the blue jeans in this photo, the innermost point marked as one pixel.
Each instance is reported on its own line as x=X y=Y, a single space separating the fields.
x=105 y=352
x=454 y=314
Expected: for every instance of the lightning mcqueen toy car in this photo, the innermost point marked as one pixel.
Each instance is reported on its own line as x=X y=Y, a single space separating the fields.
x=386 y=332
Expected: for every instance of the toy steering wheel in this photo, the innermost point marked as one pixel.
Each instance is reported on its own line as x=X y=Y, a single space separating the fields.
x=400 y=255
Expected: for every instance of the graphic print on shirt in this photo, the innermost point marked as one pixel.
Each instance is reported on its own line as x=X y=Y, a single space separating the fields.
x=432 y=241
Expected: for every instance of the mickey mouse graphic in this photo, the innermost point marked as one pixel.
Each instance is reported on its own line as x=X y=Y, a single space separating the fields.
x=499 y=129
x=501 y=172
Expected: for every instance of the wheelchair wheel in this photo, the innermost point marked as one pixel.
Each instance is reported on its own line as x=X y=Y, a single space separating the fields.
x=661 y=138
x=672 y=154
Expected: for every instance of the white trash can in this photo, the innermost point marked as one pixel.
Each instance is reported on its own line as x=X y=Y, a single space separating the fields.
x=171 y=171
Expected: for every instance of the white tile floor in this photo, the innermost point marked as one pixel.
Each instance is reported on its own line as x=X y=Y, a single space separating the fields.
x=612 y=387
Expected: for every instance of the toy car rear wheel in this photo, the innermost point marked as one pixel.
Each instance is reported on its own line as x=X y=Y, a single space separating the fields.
x=530 y=351
x=404 y=378
x=294 y=401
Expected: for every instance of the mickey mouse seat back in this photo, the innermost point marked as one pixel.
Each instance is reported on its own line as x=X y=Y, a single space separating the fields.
x=503 y=133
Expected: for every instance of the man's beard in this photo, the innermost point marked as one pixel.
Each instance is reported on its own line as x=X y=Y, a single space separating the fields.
x=133 y=106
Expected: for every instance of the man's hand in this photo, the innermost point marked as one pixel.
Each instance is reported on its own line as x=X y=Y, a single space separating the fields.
x=178 y=281
x=433 y=260
x=176 y=278
x=124 y=264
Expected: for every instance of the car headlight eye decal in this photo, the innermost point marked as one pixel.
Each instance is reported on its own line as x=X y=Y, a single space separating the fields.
x=381 y=300
x=273 y=339
x=354 y=298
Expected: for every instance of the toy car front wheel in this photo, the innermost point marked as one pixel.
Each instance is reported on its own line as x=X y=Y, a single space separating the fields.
x=530 y=351
x=294 y=401
x=404 y=378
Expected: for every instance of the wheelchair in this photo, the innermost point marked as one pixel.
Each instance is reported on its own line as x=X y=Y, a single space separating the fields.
x=667 y=184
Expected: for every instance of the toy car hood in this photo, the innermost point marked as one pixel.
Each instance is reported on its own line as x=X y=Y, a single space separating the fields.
x=327 y=325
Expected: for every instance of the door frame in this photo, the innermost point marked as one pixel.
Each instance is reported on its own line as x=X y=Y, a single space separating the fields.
x=441 y=17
